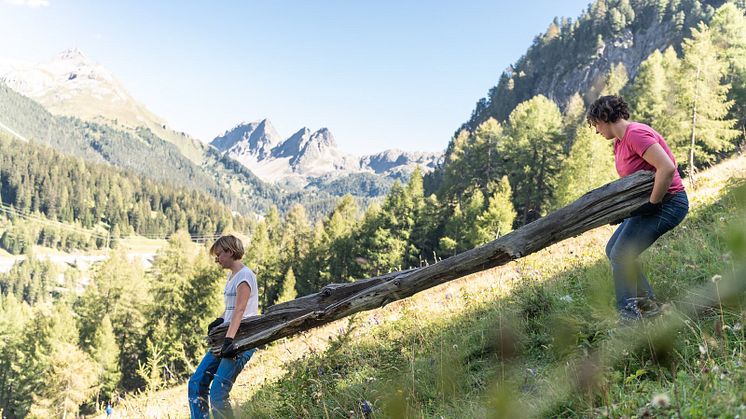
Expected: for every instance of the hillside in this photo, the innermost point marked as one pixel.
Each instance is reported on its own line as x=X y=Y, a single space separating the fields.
x=439 y=352
x=139 y=150
x=576 y=55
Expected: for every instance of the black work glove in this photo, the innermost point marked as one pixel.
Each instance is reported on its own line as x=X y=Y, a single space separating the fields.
x=647 y=208
x=215 y=323
x=229 y=349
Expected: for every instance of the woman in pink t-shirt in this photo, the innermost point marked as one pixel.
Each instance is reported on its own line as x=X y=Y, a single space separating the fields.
x=638 y=147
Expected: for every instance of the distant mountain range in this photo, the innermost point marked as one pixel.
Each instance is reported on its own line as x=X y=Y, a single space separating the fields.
x=306 y=155
x=72 y=84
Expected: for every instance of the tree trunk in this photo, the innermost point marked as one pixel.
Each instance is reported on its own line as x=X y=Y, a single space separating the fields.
x=694 y=128
x=601 y=206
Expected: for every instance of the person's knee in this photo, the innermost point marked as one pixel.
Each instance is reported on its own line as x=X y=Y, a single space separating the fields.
x=219 y=392
x=194 y=388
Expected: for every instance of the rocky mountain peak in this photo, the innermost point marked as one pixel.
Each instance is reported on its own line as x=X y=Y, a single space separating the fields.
x=293 y=145
x=323 y=138
x=73 y=54
x=255 y=139
x=393 y=158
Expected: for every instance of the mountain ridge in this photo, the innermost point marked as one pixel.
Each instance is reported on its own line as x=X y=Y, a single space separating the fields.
x=73 y=85
x=307 y=156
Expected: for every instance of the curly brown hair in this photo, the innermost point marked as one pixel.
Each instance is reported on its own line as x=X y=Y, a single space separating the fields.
x=608 y=109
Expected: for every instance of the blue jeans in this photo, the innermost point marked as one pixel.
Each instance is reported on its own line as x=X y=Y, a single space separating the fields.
x=633 y=236
x=222 y=373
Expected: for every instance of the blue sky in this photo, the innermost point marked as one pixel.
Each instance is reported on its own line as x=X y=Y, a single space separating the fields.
x=379 y=74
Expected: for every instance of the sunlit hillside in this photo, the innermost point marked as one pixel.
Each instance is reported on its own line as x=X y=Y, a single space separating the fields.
x=439 y=353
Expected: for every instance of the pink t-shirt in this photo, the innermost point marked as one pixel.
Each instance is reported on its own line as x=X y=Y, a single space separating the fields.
x=629 y=150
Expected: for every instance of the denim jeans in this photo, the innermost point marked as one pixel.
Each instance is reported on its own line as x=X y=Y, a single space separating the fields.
x=222 y=373
x=633 y=236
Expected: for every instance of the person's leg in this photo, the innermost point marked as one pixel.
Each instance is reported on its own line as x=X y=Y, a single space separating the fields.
x=635 y=235
x=199 y=386
x=644 y=289
x=614 y=237
x=225 y=376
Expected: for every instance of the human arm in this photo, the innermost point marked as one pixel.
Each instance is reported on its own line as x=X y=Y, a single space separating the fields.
x=242 y=298
x=664 y=171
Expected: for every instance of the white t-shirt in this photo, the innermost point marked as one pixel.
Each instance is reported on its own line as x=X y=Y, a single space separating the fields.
x=229 y=294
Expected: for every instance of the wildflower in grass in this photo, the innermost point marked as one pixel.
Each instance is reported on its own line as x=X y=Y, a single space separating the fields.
x=566 y=298
x=737 y=327
x=703 y=349
x=366 y=407
x=716 y=278
x=661 y=400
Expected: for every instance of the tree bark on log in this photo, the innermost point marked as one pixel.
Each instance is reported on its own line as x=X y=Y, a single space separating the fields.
x=598 y=207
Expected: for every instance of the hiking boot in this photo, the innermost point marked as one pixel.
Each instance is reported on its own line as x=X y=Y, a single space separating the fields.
x=630 y=313
x=647 y=307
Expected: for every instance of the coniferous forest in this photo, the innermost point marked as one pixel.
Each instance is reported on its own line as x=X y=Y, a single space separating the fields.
x=67 y=346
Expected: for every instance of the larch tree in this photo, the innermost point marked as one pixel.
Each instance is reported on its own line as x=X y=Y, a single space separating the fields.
x=105 y=353
x=498 y=218
x=533 y=153
x=288 y=288
x=729 y=36
x=704 y=96
x=589 y=165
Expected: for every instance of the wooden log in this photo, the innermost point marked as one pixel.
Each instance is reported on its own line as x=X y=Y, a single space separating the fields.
x=601 y=206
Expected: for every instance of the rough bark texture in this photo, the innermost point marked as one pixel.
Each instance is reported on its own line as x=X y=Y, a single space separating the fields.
x=601 y=206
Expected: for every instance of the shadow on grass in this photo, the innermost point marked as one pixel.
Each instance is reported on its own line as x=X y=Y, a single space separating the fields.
x=494 y=358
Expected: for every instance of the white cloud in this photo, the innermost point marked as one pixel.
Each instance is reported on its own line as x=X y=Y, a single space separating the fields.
x=29 y=3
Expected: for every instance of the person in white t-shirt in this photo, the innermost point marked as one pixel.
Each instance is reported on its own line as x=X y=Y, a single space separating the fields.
x=215 y=375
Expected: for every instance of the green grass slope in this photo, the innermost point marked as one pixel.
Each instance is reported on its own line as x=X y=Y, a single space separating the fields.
x=535 y=338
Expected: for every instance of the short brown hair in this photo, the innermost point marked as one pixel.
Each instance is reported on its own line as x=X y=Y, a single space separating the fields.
x=230 y=244
x=608 y=109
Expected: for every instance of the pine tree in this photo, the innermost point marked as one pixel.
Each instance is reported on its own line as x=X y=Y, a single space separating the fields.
x=69 y=382
x=589 y=165
x=314 y=268
x=105 y=353
x=728 y=28
x=295 y=236
x=427 y=229
x=498 y=218
x=573 y=116
x=616 y=79
x=56 y=373
x=171 y=272
x=14 y=316
x=705 y=99
x=474 y=160
x=453 y=231
x=533 y=154
x=203 y=299
x=339 y=240
x=263 y=257
x=119 y=289
x=649 y=92
x=288 y=288
x=473 y=208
